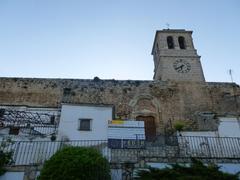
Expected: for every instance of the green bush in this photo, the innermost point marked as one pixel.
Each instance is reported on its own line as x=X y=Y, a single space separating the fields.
x=179 y=125
x=5 y=157
x=196 y=171
x=76 y=163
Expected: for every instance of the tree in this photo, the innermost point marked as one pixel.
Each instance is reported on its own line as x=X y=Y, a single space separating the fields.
x=197 y=171
x=73 y=163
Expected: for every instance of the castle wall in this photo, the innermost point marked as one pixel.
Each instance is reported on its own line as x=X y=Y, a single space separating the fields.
x=166 y=101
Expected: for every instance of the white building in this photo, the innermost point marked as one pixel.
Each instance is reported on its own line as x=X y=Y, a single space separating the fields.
x=227 y=127
x=84 y=122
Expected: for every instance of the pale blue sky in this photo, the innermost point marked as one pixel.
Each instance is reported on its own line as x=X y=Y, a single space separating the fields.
x=112 y=39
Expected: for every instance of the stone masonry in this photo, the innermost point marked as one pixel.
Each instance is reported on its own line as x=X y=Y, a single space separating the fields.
x=166 y=101
x=168 y=61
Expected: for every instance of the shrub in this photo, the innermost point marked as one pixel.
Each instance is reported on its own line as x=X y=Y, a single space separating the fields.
x=73 y=163
x=197 y=170
x=5 y=157
x=179 y=125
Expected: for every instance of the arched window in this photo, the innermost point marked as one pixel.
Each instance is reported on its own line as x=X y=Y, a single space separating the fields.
x=181 y=42
x=170 y=42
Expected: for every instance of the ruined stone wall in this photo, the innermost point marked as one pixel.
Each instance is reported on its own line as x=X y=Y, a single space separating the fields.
x=166 y=101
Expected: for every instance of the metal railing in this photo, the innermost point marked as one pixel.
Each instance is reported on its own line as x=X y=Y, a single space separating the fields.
x=37 y=152
x=209 y=147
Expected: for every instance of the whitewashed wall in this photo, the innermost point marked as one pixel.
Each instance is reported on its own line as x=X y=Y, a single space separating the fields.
x=229 y=127
x=218 y=147
x=12 y=176
x=69 y=122
x=224 y=167
x=199 y=133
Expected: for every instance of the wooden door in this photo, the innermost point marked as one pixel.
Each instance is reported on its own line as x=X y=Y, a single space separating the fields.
x=150 y=127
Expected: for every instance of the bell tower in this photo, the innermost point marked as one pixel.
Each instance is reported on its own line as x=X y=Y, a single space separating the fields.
x=175 y=57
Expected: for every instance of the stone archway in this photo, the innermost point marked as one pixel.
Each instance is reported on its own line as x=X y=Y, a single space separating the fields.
x=146 y=108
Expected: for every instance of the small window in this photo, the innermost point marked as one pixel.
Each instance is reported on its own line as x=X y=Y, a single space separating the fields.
x=170 y=42
x=67 y=91
x=84 y=125
x=181 y=42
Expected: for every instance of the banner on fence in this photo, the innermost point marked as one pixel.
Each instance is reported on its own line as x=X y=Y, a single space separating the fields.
x=126 y=134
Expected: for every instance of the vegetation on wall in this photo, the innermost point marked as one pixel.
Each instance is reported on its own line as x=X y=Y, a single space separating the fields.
x=197 y=171
x=76 y=163
x=179 y=125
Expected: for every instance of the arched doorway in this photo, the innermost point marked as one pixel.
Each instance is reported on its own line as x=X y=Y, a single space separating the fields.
x=150 y=126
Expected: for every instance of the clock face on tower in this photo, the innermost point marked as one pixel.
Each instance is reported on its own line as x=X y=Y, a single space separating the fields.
x=182 y=66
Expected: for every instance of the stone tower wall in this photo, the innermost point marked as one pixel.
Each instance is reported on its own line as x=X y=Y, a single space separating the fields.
x=164 y=58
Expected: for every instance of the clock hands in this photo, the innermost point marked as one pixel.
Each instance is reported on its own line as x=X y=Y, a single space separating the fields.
x=180 y=67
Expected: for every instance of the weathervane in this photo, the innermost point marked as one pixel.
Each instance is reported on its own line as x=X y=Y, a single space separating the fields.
x=230 y=73
x=168 y=25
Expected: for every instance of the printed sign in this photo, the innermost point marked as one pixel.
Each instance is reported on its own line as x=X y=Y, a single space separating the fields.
x=126 y=143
